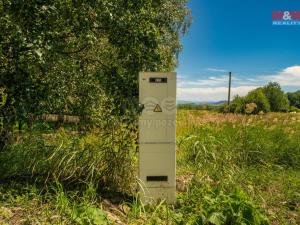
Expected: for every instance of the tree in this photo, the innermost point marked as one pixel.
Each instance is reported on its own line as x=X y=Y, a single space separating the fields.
x=258 y=97
x=83 y=57
x=237 y=105
x=294 y=98
x=277 y=98
x=253 y=103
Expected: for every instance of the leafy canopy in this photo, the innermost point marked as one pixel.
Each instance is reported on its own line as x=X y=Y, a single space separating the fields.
x=258 y=97
x=265 y=99
x=83 y=57
x=277 y=98
x=294 y=98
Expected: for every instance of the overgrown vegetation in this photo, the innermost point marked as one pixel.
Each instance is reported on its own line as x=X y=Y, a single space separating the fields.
x=82 y=58
x=294 y=98
x=262 y=100
x=64 y=156
x=232 y=169
x=269 y=98
x=190 y=106
x=79 y=58
x=256 y=154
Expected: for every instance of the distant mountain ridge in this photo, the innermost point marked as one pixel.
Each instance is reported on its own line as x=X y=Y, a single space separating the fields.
x=201 y=102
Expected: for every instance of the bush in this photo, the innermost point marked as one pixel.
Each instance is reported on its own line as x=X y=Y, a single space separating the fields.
x=266 y=99
x=294 y=99
x=278 y=100
x=237 y=105
x=257 y=96
x=253 y=103
x=224 y=108
x=294 y=109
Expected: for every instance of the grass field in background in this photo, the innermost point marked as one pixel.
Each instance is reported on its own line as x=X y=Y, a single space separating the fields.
x=231 y=169
x=258 y=154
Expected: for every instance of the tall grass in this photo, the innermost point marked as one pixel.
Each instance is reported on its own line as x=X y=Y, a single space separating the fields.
x=207 y=147
x=105 y=157
x=257 y=154
x=241 y=170
x=54 y=206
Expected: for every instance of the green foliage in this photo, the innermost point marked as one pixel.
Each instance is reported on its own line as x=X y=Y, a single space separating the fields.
x=259 y=154
x=102 y=156
x=253 y=103
x=239 y=145
x=277 y=99
x=201 y=204
x=294 y=109
x=237 y=105
x=3 y=97
x=207 y=205
x=83 y=57
x=258 y=97
x=294 y=98
x=82 y=210
x=266 y=99
x=80 y=58
x=242 y=169
x=55 y=205
x=197 y=107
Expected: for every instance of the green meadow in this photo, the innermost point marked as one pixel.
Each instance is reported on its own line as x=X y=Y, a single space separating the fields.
x=231 y=169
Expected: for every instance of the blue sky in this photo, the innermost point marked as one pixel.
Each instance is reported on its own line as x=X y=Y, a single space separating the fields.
x=237 y=36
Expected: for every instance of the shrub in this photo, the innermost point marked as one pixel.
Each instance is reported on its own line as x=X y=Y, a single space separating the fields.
x=3 y=97
x=237 y=105
x=278 y=100
x=253 y=103
x=224 y=108
x=294 y=109
x=294 y=99
x=257 y=96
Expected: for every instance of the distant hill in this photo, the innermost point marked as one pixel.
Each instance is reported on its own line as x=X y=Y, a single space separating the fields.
x=201 y=103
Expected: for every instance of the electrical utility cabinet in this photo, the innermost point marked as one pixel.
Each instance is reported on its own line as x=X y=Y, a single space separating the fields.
x=157 y=137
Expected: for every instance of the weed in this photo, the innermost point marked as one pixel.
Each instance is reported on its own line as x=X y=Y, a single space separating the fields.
x=242 y=170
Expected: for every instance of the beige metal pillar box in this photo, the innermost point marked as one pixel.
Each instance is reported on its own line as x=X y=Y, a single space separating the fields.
x=157 y=126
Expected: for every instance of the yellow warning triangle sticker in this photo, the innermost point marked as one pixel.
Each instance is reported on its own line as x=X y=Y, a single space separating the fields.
x=157 y=108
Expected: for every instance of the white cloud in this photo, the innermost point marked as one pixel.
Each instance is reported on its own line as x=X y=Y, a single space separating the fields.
x=209 y=82
x=211 y=93
x=253 y=80
x=287 y=77
x=215 y=88
x=216 y=70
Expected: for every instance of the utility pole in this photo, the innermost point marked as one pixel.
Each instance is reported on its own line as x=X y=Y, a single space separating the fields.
x=229 y=88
